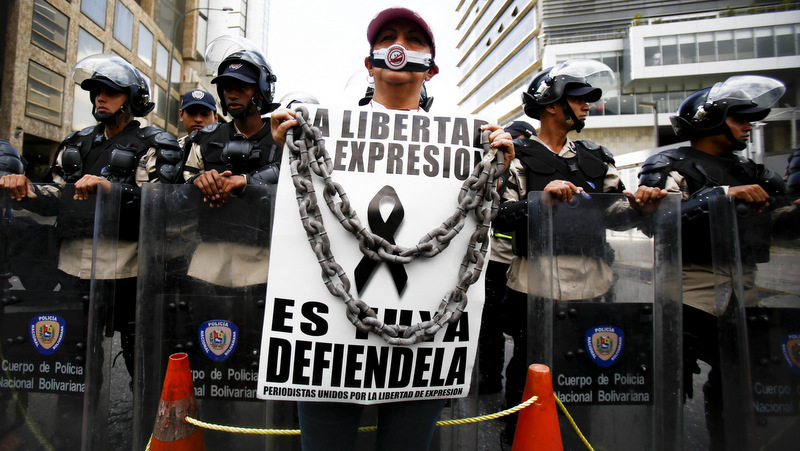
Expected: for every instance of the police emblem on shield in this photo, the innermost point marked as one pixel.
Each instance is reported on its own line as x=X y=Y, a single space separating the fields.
x=218 y=339
x=604 y=344
x=790 y=348
x=47 y=333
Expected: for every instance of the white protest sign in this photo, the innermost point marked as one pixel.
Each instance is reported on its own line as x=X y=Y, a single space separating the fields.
x=402 y=172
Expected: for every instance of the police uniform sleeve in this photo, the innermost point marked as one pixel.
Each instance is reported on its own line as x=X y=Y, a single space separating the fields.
x=513 y=201
x=194 y=163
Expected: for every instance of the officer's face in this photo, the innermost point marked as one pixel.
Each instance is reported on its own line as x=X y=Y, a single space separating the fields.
x=109 y=100
x=408 y=34
x=237 y=95
x=740 y=128
x=579 y=106
x=196 y=117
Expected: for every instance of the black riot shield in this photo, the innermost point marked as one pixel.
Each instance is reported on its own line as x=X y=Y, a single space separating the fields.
x=202 y=285
x=757 y=293
x=48 y=371
x=604 y=315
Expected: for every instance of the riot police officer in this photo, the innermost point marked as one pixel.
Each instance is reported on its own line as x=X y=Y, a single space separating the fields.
x=559 y=98
x=198 y=109
x=116 y=150
x=716 y=121
x=227 y=157
x=793 y=173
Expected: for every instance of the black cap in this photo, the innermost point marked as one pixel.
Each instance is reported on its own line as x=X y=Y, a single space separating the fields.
x=239 y=71
x=198 y=97
x=517 y=128
x=589 y=93
x=90 y=84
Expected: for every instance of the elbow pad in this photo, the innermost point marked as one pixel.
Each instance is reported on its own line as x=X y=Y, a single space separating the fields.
x=268 y=175
x=697 y=205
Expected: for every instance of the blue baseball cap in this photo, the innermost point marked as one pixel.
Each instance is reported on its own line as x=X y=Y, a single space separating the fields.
x=517 y=128
x=198 y=97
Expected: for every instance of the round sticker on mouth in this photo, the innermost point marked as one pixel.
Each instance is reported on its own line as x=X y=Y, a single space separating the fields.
x=396 y=57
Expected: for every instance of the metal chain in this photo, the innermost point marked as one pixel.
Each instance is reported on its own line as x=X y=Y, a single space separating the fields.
x=307 y=153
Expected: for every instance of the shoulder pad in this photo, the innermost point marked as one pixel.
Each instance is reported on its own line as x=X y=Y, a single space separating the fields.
x=211 y=128
x=654 y=170
x=165 y=139
x=595 y=148
x=588 y=145
x=149 y=131
x=86 y=131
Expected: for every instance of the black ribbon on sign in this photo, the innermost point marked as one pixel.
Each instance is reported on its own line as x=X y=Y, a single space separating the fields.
x=386 y=230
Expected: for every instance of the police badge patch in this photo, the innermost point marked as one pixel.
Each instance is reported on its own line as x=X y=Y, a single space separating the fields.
x=47 y=333
x=218 y=338
x=790 y=348
x=604 y=344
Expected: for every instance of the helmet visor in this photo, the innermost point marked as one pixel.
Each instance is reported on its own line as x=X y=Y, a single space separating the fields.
x=223 y=46
x=762 y=91
x=110 y=67
x=595 y=73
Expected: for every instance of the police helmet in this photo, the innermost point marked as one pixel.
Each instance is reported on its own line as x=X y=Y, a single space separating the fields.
x=572 y=78
x=10 y=161
x=240 y=59
x=704 y=112
x=298 y=97
x=118 y=74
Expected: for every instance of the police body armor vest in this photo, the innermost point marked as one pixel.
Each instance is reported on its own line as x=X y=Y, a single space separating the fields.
x=702 y=170
x=587 y=170
x=223 y=149
x=89 y=152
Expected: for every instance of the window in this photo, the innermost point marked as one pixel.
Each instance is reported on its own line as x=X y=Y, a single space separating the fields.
x=688 y=49
x=652 y=52
x=44 y=96
x=705 y=47
x=744 y=44
x=724 y=45
x=176 y=72
x=144 y=47
x=95 y=10
x=669 y=50
x=123 y=25
x=167 y=14
x=161 y=100
x=49 y=29
x=765 y=43
x=162 y=59
x=784 y=40
x=81 y=109
x=88 y=44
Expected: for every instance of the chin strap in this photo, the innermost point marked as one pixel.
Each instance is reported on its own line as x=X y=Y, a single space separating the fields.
x=396 y=57
x=736 y=144
x=571 y=117
x=121 y=115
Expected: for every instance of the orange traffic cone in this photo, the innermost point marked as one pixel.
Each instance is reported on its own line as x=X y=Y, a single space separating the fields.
x=537 y=426
x=171 y=432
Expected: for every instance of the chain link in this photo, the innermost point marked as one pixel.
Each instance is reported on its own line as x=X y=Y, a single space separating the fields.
x=478 y=194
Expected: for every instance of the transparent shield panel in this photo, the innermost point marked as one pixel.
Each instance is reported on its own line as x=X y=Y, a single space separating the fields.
x=770 y=256
x=604 y=314
x=111 y=315
x=43 y=320
x=202 y=285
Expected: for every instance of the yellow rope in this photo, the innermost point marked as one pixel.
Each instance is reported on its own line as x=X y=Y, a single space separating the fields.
x=493 y=416
x=572 y=422
x=217 y=427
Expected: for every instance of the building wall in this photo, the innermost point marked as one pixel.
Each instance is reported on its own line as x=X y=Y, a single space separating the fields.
x=38 y=138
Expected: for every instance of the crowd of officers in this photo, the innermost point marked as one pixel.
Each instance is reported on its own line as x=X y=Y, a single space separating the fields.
x=222 y=159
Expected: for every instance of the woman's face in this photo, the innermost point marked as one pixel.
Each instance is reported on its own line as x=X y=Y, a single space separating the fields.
x=408 y=34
